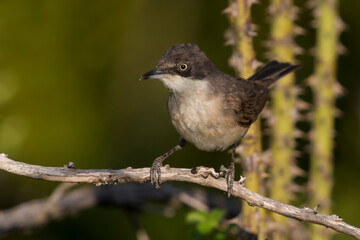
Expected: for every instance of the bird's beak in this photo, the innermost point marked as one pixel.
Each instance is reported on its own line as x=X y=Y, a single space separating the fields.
x=155 y=73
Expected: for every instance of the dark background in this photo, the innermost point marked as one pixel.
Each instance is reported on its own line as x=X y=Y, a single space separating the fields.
x=69 y=91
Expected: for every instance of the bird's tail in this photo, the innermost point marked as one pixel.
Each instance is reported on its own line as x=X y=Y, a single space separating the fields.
x=272 y=71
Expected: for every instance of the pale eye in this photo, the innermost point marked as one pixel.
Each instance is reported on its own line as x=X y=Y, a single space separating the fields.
x=183 y=67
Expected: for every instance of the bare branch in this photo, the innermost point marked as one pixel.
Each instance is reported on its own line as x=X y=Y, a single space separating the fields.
x=35 y=214
x=63 y=203
x=99 y=177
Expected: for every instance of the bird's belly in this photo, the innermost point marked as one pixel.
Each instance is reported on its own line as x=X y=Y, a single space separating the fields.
x=206 y=125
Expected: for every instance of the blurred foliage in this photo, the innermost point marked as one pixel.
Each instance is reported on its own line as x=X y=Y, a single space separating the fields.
x=206 y=223
x=69 y=91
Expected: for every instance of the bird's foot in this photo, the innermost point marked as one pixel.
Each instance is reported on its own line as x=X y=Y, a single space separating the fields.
x=229 y=176
x=228 y=173
x=155 y=172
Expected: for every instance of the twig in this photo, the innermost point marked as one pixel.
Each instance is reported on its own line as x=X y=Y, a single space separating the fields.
x=99 y=177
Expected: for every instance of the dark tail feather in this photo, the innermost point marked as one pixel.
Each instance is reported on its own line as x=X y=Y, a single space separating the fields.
x=272 y=71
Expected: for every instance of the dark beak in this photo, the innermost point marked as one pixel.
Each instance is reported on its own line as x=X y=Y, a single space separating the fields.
x=156 y=73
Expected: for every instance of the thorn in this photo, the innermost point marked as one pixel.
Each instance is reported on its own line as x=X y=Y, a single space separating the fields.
x=266 y=113
x=297 y=171
x=251 y=33
x=338 y=113
x=298 y=134
x=235 y=62
x=254 y=27
x=264 y=175
x=229 y=36
x=240 y=149
x=341 y=49
x=256 y=64
x=340 y=25
x=302 y=105
x=315 y=209
x=229 y=41
x=222 y=168
x=298 y=50
x=271 y=9
x=251 y=2
x=227 y=11
x=338 y=89
x=231 y=10
x=311 y=80
x=241 y=181
x=299 y=30
x=311 y=4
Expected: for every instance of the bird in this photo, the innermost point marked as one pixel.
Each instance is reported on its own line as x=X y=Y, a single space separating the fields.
x=209 y=108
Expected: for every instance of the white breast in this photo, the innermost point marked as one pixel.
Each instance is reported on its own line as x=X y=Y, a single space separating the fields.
x=201 y=118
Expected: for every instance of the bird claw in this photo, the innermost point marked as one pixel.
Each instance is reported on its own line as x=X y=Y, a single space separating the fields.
x=229 y=176
x=155 y=173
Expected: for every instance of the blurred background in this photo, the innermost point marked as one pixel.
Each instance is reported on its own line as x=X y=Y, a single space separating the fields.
x=69 y=91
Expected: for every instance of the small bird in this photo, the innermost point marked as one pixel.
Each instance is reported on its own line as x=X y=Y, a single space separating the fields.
x=207 y=107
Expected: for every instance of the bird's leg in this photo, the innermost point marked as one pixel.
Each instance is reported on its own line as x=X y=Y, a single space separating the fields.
x=229 y=173
x=155 y=171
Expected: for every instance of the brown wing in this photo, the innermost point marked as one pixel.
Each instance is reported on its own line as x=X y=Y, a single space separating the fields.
x=246 y=100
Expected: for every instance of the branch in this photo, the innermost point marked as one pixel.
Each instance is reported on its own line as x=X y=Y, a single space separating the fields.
x=62 y=203
x=197 y=175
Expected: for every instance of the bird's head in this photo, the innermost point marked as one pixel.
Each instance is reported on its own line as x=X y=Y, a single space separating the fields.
x=181 y=67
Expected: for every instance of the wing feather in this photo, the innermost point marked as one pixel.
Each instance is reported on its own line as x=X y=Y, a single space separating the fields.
x=246 y=100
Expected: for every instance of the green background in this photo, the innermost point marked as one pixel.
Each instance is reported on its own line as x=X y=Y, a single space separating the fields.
x=69 y=91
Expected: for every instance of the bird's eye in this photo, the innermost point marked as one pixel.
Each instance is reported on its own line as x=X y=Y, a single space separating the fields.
x=183 y=67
